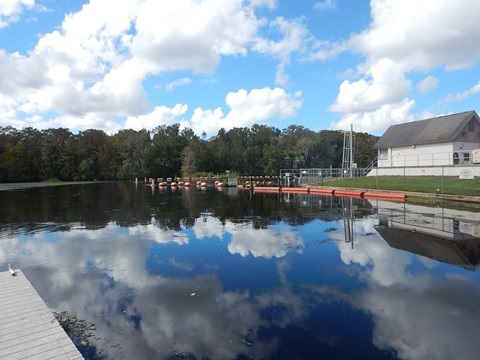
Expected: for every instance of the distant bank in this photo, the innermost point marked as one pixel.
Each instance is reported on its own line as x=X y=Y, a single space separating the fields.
x=27 y=185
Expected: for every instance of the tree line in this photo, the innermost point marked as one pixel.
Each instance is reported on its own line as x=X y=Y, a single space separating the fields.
x=168 y=151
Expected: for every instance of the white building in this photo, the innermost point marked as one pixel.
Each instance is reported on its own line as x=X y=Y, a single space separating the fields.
x=449 y=144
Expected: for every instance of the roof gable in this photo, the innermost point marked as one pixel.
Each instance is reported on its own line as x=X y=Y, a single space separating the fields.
x=430 y=131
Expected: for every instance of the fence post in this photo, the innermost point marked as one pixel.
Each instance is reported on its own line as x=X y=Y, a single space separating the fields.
x=442 y=177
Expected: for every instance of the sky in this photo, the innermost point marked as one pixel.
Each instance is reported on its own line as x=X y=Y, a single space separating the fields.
x=212 y=64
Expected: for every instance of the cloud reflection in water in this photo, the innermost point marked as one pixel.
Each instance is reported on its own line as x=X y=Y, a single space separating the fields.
x=181 y=304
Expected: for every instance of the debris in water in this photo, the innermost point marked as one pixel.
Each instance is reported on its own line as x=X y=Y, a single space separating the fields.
x=248 y=343
x=79 y=330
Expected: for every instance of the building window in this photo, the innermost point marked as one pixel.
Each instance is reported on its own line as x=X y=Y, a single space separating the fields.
x=383 y=153
x=466 y=157
x=455 y=158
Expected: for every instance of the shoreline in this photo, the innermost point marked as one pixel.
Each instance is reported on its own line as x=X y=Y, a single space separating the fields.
x=445 y=197
x=461 y=199
x=29 y=185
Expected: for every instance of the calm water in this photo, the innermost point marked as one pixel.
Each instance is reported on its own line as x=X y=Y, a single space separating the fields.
x=192 y=274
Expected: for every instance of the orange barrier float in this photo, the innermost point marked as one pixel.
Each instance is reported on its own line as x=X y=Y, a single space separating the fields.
x=335 y=192
x=385 y=196
x=349 y=193
x=269 y=189
x=320 y=191
x=293 y=190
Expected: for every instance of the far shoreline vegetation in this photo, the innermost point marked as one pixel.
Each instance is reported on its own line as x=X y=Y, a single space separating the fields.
x=31 y=155
x=57 y=156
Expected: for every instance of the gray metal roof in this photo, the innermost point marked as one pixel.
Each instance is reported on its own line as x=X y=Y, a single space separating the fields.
x=430 y=131
x=460 y=253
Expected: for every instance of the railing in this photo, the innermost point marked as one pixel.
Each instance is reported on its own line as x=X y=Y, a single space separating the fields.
x=299 y=177
x=370 y=166
x=461 y=157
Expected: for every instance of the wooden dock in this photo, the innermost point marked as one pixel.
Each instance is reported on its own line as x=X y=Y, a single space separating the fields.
x=28 y=329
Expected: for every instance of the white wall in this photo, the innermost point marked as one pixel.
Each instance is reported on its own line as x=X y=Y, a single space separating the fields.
x=418 y=155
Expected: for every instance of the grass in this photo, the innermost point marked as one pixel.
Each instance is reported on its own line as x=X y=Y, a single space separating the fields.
x=451 y=185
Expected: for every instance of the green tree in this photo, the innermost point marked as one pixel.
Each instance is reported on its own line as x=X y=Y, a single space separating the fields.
x=96 y=160
x=168 y=146
x=133 y=149
x=55 y=156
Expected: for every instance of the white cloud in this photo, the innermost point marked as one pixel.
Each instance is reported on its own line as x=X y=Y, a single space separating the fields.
x=386 y=266
x=405 y=305
x=11 y=10
x=161 y=115
x=325 y=5
x=263 y=243
x=264 y=3
x=411 y=33
x=246 y=109
x=464 y=94
x=82 y=273
x=261 y=104
x=208 y=227
x=91 y=69
x=178 y=82
x=376 y=120
x=427 y=84
x=385 y=84
x=292 y=40
x=192 y=35
x=409 y=37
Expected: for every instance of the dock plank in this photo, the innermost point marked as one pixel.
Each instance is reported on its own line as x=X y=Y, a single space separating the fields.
x=28 y=329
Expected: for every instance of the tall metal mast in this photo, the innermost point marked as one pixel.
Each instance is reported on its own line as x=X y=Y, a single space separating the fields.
x=347 y=161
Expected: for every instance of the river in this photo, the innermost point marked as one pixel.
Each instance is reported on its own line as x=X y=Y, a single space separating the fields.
x=151 y=273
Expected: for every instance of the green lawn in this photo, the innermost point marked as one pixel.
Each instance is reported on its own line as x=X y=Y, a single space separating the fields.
x=426 y=184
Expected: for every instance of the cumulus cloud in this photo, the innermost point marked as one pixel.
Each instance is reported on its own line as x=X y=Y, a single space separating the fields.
x=160 y=313
x=427 y=84
x=10 y=10
x=375 y=120
x=325 y=5
x=405 y=304
x=94 y=66
x=264 y=243
x=404 y=37
x=292 y=40
x=475 y=89
x=209 y=227
x=178 y=82
x=161 y=115
x=192 y=35
x=368 y=94
x=247 y=108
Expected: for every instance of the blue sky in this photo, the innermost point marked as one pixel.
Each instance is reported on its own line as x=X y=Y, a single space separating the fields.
x=211 y=64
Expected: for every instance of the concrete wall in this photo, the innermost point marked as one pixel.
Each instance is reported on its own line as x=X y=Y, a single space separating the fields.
x=465 y=171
